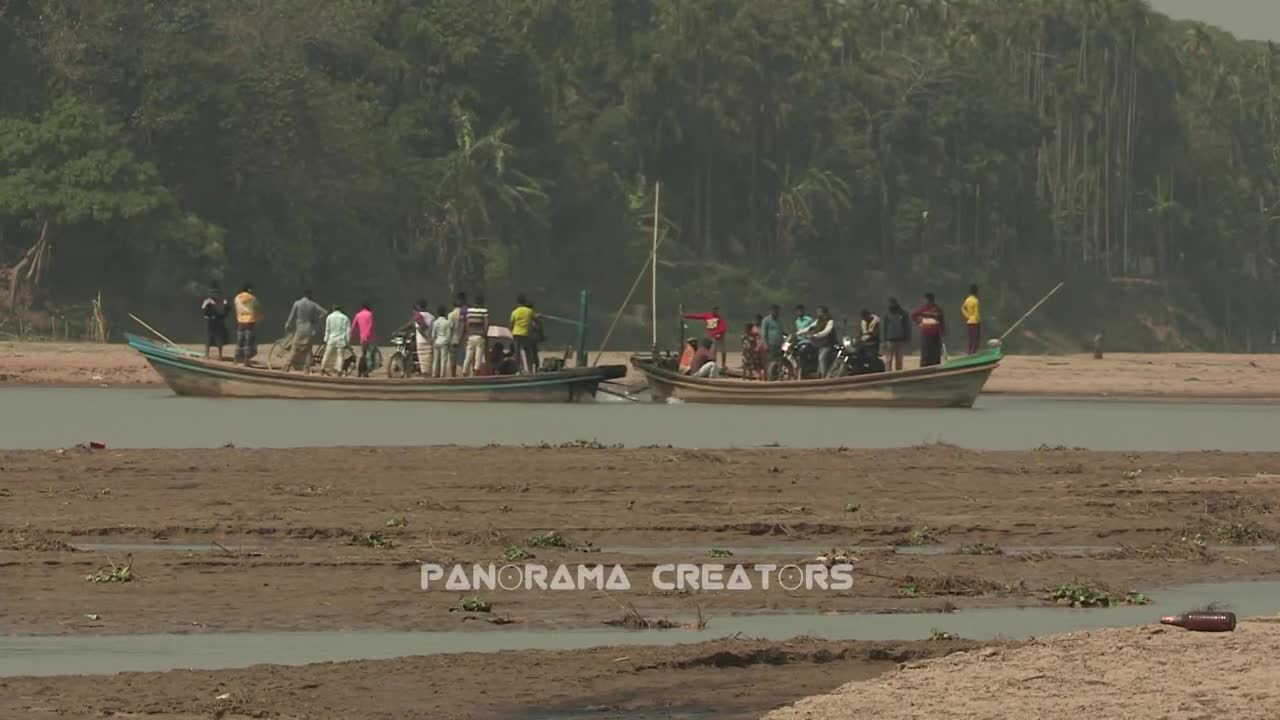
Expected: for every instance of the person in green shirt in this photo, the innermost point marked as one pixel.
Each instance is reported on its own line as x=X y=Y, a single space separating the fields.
x=337 y=344
x=524 y=326
x=804 y=321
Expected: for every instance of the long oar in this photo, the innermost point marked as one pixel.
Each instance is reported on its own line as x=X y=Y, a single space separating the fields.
x=153 y=330
x=1033 y=309
x=617 y=394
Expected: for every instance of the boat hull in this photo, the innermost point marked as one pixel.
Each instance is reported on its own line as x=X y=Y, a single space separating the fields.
x=190 y=375
x=956 y=384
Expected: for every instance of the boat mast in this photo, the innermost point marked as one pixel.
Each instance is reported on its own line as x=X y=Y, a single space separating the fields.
x=653 y=291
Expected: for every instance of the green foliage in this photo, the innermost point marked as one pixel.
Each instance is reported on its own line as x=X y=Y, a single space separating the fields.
x=71 y=170
x=71 y=167
x=825 y=152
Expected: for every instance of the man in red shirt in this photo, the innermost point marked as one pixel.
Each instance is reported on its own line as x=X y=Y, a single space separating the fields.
x=932 y=328
x=716 y=330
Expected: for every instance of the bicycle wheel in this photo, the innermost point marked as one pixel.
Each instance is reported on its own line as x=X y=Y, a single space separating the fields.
x=279 y=354
x=317 y=357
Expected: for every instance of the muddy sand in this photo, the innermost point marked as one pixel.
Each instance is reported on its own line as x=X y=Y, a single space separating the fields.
x=275 y=530
x=1147 y=672
x=1173 y=375
x=334 y=538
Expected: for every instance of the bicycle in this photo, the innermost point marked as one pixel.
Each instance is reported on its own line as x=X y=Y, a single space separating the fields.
x=281 y=353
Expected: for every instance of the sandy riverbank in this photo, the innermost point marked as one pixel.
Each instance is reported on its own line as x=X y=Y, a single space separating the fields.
x=1135 y=673
x=1173 y=375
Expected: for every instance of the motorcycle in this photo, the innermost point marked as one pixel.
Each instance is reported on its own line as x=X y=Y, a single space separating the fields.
x=404 y=358
x=799 y=360
x=856 y=359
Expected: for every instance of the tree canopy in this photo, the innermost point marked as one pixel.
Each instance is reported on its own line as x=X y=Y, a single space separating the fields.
x=819 y=151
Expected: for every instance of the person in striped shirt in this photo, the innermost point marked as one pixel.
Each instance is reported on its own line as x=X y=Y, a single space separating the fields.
x=477 y=328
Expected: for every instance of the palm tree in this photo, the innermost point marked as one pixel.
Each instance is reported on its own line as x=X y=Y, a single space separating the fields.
x=477 y=190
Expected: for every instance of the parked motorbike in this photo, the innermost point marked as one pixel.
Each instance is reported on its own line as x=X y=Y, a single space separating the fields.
x=854 y=358
x=799 y=360
x=404 y=357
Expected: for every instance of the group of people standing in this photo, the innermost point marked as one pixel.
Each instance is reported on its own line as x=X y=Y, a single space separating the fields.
x=215 y=310
x=931 y=320
x=762 y=340
x=458 y=339
x=449 y=343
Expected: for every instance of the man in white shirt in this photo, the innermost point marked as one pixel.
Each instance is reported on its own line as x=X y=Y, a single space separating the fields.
x=337 y=330
x=441 y=336
x=422 y=321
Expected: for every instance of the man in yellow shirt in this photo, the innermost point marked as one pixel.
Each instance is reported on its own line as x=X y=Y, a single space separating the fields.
x=972 y=319
x=524 y=322
x=248 y=315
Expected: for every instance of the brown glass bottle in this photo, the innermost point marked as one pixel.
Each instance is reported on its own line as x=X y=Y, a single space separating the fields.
x=1202 y=621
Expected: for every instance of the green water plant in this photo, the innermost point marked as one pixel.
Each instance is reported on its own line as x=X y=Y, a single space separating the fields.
x=517 y=554
x=113 y=574
x=918 y=537
x=372 y=540
x=1083 y=595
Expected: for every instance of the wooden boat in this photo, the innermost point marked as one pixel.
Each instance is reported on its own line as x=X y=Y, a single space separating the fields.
x=188 y=373
x=955 y=383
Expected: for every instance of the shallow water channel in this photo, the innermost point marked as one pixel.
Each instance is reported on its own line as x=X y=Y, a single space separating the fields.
x=48 y=418
x=649 y=551
x=62 y=655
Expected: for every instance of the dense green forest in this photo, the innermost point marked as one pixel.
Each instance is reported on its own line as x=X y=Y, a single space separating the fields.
x=816 y=151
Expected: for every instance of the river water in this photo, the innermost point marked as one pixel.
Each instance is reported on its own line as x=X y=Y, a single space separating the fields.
x=40 y=418
x=66 y=655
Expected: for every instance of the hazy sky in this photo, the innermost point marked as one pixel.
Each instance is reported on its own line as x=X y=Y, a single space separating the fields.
x=1252 y=19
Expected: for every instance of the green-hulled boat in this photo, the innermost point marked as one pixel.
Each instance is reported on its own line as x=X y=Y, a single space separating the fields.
x=955 y=383
x=189 y=373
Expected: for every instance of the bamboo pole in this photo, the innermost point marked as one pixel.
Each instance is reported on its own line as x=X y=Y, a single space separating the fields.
x=653 y=256
x=153 y=330
x=1033 y=309
x=617 y=316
